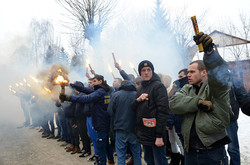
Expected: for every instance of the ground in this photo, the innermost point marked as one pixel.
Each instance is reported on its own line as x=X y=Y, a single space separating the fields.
x=26 y=147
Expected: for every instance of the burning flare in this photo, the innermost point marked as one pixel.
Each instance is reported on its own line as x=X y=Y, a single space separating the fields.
x=110 y=69
x=60 y=80
x=131 y=65
x=47 y=89
x=34 y=79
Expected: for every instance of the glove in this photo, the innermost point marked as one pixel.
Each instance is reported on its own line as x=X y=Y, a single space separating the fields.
x=205 y=105
x=58 y=104
x=79 y=86
x=64 y=97
x=206 y=41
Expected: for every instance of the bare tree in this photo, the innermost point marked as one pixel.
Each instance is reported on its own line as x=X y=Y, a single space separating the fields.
x=236 y=50
x=184 y=32
x=89 y=16
x=245 y=23
x=41 y=36
x=241 y=30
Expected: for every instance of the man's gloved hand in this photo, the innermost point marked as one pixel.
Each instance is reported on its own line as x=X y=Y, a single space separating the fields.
x=77 y=86
x=205 y=105
x=64 y=97
x=206 y=41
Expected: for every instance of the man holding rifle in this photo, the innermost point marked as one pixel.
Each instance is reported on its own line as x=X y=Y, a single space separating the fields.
x=206 y=107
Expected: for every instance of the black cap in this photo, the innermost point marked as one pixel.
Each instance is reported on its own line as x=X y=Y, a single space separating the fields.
x=145 y=63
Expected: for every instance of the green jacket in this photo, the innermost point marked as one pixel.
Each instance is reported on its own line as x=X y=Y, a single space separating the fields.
x=210 y=126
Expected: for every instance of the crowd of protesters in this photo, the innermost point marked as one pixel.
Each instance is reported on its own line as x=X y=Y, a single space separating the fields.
x=189 y=123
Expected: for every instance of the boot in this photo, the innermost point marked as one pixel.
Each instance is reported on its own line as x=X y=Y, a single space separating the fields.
x=175 y=159
x=70 y=148
x=75 y=150
x=130 y=161
x=45 y=135
x=111 y=163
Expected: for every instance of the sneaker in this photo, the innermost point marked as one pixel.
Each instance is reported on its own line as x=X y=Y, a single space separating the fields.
x=93 y=158
x=97 y=162
x=85 y=154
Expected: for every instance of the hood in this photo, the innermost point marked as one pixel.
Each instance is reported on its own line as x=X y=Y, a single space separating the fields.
x=165 y=79
x=183 y=81
x=155 y=77
x=129 y=86
x=105 y=87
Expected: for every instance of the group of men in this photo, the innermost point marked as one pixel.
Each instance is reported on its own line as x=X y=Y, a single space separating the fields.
x=138 y=113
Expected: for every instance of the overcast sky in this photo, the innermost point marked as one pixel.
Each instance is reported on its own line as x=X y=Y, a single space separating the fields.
x=15 y=15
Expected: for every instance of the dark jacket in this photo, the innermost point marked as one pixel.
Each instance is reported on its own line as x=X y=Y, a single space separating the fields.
x=119 y=107
x=69 y=110
x=99 y=96
x=79 y=109
x=237 y=97
x=124 y=75
x=246 y=104
x=156 y=107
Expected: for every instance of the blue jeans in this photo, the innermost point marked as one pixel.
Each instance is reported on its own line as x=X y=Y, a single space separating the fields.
x=122 y=141
x=215 y=156
x=103 y=147
x=233 y=147
x=155 y=155
x=92 y=133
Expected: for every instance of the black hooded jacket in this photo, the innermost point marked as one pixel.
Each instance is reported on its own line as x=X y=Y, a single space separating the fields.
x=156 y=107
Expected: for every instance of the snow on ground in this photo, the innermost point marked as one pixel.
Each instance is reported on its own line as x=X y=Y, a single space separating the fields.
x=244 y=138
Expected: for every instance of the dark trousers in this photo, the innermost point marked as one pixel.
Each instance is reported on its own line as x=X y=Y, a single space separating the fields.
x=73 y=132
x=103 y=147
x=233 y=147
x=65 y=134
x=215 y=156
x=82 y=129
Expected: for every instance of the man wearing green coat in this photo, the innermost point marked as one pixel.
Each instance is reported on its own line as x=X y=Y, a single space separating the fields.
x=206 y=107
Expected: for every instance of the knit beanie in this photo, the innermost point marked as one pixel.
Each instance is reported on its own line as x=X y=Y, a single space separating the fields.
x=145 y=63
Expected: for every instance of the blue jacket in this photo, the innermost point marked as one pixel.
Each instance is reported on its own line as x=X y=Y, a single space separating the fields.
x=99 y=96
x=119 y=108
